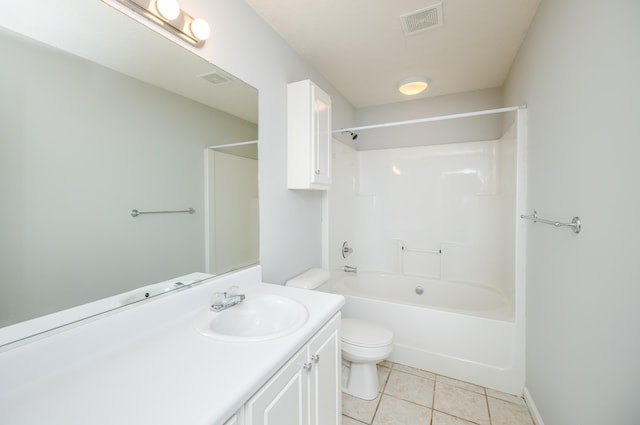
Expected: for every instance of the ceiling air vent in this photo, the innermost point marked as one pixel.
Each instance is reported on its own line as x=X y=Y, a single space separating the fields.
x=216 y=78
x=422 y=20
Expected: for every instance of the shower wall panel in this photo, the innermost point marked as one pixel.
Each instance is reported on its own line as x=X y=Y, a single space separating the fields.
x=452 y=198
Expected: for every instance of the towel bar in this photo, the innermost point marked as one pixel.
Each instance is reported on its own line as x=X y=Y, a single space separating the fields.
x=575 y=224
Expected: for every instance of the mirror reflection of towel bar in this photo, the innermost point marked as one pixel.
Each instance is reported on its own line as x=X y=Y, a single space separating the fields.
x=575 y=224
x=135 y=213
x=424 y=251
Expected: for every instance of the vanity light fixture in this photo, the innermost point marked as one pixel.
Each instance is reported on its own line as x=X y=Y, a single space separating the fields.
x=168 y=15
x=413 y=85
x=200 y=29
x=168 y=9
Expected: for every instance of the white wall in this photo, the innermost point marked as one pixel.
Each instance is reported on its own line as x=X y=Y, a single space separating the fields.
x=488 y=127
x=244 y=45
x=232 y=201
x=578 y=72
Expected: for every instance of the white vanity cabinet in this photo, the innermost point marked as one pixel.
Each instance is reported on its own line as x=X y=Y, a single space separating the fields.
x=291 y=380
x=306 y=390
x=236 y=419
x=309 y=136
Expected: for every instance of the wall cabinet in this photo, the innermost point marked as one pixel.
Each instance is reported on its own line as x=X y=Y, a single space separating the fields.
x=306 y=390
x=309 y=136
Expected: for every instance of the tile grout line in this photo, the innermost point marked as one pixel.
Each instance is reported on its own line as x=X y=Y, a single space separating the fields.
x=456 y=417
x=449 y=413
x=418 y=376
x=357 y=420
x=383 y=387
x=392 y=366
x=486 y=400
x=433 y=400
x=408 y=401
x=526 y=406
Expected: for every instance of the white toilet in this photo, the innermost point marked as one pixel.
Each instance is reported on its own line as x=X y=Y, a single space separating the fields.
x=363 y=343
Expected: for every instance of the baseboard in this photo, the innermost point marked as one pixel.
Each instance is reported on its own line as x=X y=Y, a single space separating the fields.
x=532 y=407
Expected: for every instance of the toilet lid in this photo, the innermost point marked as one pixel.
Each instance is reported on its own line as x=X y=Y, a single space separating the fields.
x=365 y=334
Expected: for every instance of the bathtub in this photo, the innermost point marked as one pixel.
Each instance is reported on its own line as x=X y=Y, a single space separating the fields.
x=461 y=330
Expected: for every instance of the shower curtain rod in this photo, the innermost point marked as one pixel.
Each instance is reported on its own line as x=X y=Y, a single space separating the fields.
x=232 y=145
x=429 y=119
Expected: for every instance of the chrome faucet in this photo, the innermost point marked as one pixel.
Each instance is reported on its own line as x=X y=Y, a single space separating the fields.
x=224 y=300
x=350 y=269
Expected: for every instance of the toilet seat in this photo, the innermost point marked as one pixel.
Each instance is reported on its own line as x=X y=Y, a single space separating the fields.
x=361 y=333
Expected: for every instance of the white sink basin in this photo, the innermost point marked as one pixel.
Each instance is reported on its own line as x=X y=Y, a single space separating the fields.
x=259 y=317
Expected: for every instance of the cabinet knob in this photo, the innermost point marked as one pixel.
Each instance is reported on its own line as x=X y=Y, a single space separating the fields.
x=318 y=172
x=307 y=366
x=315 y=358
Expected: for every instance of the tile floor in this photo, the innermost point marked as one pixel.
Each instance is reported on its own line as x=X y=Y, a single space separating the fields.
x=411 y=396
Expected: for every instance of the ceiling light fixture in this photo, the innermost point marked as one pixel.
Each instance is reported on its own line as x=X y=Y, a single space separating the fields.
x=413 y=85
x=168 y=15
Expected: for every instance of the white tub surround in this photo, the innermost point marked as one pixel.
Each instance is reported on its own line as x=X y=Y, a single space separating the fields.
x=445 y=214
x=457 y=297
x=148 y=365
x=461 y=330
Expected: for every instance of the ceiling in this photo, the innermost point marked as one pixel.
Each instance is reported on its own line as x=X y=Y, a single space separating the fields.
x=359 y=45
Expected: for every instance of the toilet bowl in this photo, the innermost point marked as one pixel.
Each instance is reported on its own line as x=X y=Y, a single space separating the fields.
x=364 y=343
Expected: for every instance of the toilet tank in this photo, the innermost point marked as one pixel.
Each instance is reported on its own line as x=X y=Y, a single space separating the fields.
x=311 y=279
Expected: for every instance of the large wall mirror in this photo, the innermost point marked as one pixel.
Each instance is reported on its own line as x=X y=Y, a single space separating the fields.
x=99 y=117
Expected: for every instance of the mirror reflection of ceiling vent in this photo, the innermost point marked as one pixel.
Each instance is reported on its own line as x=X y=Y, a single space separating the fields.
x=422 y=20
x=216 y=78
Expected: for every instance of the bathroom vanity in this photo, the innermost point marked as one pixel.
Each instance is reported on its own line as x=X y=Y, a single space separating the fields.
x=148 y=363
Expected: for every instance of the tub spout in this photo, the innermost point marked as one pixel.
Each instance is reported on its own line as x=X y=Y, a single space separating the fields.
x=350 y=269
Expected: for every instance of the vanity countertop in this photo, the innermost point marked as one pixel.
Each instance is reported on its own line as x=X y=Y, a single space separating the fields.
x=147 y=364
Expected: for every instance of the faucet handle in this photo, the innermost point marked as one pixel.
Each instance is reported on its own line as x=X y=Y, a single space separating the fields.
x=346 y=249
x=233 y=290
x=217 y=298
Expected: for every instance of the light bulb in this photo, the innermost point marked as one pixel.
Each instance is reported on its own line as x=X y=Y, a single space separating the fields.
x=168 y=9
x=200 y=29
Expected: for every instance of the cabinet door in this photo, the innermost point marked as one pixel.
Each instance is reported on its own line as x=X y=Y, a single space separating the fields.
x=320 y=136
x=234 y=420
x=284 y=399
x=325 y=377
